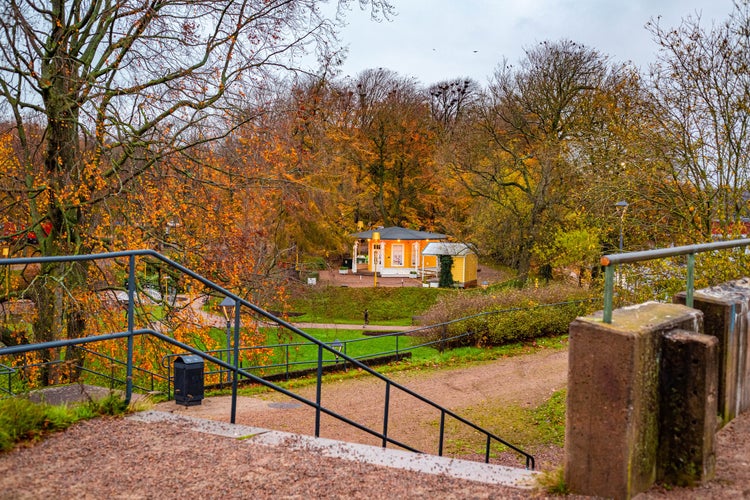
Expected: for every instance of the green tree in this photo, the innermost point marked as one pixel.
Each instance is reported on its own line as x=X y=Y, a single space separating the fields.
x=445 y=279
x=525 y=137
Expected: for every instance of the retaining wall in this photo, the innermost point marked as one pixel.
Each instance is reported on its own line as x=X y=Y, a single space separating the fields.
x=641 y=400
x=725 y=308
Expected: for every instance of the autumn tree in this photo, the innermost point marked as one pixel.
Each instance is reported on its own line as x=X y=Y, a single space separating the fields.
x=388 y=143
x=452 y=100
x=366 y=153
x=119 y=89
x=321 y=216
x=453 y=106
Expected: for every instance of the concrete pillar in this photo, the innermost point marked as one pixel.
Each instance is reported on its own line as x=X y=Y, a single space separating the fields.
x=612 y=427
x=355 y=250
x=725 y=308
x=687 y=409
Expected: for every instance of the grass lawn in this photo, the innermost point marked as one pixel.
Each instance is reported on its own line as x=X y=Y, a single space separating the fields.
x=350 y=342
x=385 y=306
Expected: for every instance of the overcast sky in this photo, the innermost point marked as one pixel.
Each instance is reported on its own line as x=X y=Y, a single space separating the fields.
x=435 y=40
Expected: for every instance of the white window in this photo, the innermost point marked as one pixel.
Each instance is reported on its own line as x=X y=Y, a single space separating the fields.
x=397 y=255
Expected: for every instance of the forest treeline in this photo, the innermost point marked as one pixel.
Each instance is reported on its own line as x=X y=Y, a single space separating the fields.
x=184 y=127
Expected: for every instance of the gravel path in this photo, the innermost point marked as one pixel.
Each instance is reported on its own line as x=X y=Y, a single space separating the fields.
x=732 y=468
x=124 y=458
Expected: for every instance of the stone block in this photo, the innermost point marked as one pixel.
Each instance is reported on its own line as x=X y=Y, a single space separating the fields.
x=687 y=410
x=725 y=308
x=612 y=427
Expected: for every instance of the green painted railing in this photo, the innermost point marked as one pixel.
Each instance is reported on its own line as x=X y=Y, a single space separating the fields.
x=611 y=261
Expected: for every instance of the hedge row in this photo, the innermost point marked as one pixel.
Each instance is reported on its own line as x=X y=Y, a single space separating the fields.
x=511 y=317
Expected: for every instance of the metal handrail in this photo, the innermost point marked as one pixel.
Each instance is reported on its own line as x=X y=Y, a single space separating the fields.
x=153 y=375
x=530 y=462
x=610 y=261
x=345 y=343
x=165 y=363
x=235 y=369
x=9 y=371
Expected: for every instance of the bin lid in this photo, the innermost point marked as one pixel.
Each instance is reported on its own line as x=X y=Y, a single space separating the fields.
x=188 y=359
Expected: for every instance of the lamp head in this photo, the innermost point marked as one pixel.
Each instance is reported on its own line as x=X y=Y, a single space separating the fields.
x=227 y=305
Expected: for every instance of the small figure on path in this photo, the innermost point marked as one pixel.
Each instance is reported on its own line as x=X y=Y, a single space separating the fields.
x=367 y=318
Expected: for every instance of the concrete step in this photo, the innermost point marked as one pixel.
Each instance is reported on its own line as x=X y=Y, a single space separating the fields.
x=387 y=457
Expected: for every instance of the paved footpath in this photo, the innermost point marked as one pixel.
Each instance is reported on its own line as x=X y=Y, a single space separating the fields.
x=364 y=328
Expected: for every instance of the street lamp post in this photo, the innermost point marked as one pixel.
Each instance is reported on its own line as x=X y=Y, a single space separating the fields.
x=6 y=254
x=622 y=207
x=375 y=256
x=227 y=308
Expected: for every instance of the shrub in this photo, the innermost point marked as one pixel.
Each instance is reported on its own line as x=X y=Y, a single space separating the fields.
x=113 y=404
x=24 y=420
x=6 y=443
x=508 y=316
x=21 y=419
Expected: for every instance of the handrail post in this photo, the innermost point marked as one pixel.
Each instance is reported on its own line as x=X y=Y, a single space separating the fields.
x=442 y=433
x=609 y=281
x=286 y=348
x=318 y=390
x=131 y=321
x=169 y=381
x=236 y=355
x=385 y=412
x=690 y=280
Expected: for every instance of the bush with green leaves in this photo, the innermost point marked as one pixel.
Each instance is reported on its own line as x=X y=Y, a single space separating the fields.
x=501 y=317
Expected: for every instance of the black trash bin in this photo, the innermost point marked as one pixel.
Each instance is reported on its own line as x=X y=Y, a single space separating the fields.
x=188 y=380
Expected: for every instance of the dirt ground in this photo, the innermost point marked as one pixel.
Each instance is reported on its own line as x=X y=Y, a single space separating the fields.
x=525 y=380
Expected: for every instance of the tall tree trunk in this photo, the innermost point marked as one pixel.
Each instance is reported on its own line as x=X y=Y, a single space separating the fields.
x=62 y=162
